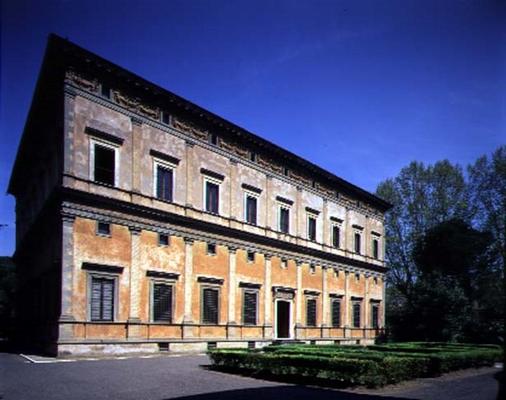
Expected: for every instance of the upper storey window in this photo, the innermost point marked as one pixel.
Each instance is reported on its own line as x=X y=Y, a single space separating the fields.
x=212 y=196
x=104 y=162
x=164 y=178
x=213 y=139
x=375 y=248
x=311 y=227
x=251 y=209
x=357 y=242
x=284 y=219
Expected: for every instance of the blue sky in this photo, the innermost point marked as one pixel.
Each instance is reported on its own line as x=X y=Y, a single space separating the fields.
x=360 y=88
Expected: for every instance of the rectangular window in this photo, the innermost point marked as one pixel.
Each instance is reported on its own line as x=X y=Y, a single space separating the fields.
x=375 y=315
x=375 y=248
x=212 y=197
x=211 y=249
x=253 y=156
x=165 y=117
x=356 y=314
x=164 y=182
x=210 y=297
x=213 y=139
x=103 y=229
x=336 y=313
x=251 y=209
x=311 y=228
x=311 y=312
x=335 y=236
x=102 y=299
x=105 y=90
x=249 y=308
x=163 y=240
x=251 y=256
x=162 y=302
x=357 y=243
x=284 y=219
x=104 y=164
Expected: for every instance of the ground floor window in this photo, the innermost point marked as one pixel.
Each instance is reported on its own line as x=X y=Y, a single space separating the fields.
x=249 y=307
x=336 y=313
x=102 y=298
x=375 y=315
x=311 y=312
x=210 y=304
x=356 y=306
x=162 y=302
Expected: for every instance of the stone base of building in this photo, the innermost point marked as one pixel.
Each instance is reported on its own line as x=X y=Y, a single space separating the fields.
x=115 y=348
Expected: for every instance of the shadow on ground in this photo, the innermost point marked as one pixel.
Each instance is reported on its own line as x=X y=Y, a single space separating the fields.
x=287 y=392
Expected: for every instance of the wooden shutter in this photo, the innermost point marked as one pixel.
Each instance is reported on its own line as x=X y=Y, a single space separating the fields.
x=375 y=315
x=250 y=308
x=311 y=312
x=336 y=313
x=356 y=315
x=162 y=302
x=210 y=306
x=102 y=299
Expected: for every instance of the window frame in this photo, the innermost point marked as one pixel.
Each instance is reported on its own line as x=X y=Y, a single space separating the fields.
x=256 y=293
x=169 y=166
x=334 y=301
x=152 y=284
x=248 y=193
x=214 y=252
x=309 y=217
x=375 y=323
x=375 y=248
x=112 y=146
x=354 y=323
x=357 y=234
x=282 y=206
x=97 y=230
x=217 y=182
x=333 y=236
x=308 y=299
x=90 y=275
x=218 y=306
x=160 y=235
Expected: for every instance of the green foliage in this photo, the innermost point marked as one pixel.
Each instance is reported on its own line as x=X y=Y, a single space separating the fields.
x=446 y=251
x=354 y=365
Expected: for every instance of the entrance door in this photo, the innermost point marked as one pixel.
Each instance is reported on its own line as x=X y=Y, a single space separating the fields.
x=283 y=319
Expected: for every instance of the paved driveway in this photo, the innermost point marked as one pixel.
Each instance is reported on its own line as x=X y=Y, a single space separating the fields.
x=184 y=378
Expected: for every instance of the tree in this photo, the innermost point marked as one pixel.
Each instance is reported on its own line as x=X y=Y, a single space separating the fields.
x=422 y=197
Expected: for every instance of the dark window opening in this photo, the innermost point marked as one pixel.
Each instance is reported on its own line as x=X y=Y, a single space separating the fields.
x=213 y=139
x=356 y=315
x=311 y=312
x=105 y=91
x=103 y=228
x=163 y=240
x=375 y=316
x=102 y=299
x=212 y=197
x=357 y=243
x=311 y=231
x=251 y=209
x=210 y=305
x=286 y=171
x=165 y=117
x=164 y=183
x=252 y=156
x=211 y=249
x=162 y=302
x=104 y=165
x=335 y=236
x=284 y=219
x=375 y=248
x=336 y=313
x=249 y=309
x=251 y=256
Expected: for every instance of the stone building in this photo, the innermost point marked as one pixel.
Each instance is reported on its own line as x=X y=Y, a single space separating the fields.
x=146 y=223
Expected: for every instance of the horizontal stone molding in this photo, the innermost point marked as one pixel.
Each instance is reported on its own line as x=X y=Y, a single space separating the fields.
x=111 y=269
x=164 y=157
x=104 y=135
x=161 y=274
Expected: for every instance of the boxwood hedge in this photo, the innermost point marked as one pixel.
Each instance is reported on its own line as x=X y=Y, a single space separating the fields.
x=356 y=365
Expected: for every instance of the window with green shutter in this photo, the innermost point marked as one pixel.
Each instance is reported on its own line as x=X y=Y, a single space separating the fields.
x=162 y=302
x=102 y=299
x=311 y=312
x=249 y=307
x=210 y=298
x=336 y=313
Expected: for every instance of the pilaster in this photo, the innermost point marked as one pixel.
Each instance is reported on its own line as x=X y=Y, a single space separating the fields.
x=189 y=180
x=367 y=308
x=325 y=299
x=298 y=301
x=135 y=280
x=67 y=276
x=232 y=261
x=268 y=297
x=325 y=223
x=136 y=154
x=347 y=304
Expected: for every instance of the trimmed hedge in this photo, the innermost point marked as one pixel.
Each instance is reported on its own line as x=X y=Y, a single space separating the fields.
x=356 y=365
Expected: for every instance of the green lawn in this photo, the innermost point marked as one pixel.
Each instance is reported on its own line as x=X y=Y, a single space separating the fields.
x=355 y=365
